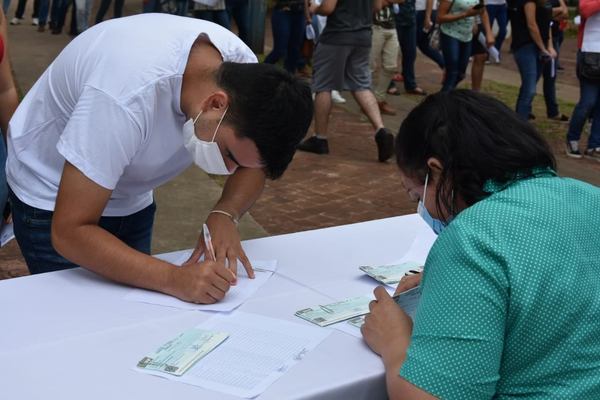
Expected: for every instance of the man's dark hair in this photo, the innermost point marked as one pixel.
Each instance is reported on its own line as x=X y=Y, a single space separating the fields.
x=269 y=106
x=476 y=138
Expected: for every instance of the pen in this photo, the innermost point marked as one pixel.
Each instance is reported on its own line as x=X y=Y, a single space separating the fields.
x=208 y=242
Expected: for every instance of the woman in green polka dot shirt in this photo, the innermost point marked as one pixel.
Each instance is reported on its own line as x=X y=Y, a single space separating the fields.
x=510 y=304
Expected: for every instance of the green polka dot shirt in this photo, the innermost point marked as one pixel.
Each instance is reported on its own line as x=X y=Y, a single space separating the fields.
x=511 y=297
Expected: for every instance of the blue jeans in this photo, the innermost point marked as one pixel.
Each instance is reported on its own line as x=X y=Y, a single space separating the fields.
x=5 y=6
x=118 y=10
x=219 y=17
x=423 y=40
x=32 y=231
x=3 y=185
x=456 y=56
x=407 y=37
x=549 y=75
x=527 y=58
x=588 y=106
x=498 y=12
x=239 y=11
x=288 y=33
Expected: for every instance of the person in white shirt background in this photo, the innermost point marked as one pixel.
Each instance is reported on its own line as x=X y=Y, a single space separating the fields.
x=115 y=116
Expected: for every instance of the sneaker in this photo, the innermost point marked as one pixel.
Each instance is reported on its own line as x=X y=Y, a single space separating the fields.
x=573 y=149
x=336 y=97
x=15 y=21
x=385 y=144
x=594 y=153
x=385 y=108
x=35 y=21
x=315 y=145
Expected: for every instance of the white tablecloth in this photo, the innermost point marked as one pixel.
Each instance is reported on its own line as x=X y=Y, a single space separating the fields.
x=71 y=334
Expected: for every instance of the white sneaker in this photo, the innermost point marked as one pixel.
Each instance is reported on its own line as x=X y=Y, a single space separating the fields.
x=336 y=97
x=15 y=21
x=35 y=21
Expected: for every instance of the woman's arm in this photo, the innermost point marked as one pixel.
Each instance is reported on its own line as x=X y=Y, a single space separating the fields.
x=444 y=15
x=534 y=31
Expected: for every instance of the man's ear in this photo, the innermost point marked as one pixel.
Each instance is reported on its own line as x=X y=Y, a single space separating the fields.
x=217 y=101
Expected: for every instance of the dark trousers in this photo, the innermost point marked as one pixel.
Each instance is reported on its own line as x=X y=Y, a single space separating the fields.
x=21 y=9
x=217 y=16
x=32 y=228
x=288 y=33
x=104 y=5
x=423 y=40
x=239 y=11
x=407 y=37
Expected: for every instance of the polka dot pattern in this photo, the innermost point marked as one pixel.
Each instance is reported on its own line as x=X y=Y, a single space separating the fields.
x=511 y=297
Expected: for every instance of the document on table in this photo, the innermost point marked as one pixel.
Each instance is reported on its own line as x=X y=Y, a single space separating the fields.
x=328 y=314
x=179 y=354
x=235 y=297
x=258 y=351
x=390 y=274
x=408 y=301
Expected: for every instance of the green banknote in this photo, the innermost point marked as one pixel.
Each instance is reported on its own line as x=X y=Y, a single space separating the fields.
x=390 y=274
x=179 y=354
x=328 y=314
x=357 y=322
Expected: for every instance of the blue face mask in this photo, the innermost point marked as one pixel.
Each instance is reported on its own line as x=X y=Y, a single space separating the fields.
x=435 y=224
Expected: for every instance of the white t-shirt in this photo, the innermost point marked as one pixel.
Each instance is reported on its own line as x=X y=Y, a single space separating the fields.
x=110 y=105
x=591 y=34
x=420 y=5
x=495 y=2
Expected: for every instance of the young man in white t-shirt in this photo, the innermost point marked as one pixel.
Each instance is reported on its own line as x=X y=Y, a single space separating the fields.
x=123 y=110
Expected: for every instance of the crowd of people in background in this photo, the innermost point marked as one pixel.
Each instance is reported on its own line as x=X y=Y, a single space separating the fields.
x=452 y=33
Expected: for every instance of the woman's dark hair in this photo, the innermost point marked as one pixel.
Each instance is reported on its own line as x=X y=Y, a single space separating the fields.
x=476 y=138
x=269 y=106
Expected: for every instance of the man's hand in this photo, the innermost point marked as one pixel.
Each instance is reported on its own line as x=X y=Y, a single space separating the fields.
x=387 y=328
x=203 y=283
x=226 y=243
x=490 y=40
x=427 y=24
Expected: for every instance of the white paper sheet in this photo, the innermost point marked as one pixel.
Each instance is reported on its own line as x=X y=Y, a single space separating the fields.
x=236 y=296
x=258 y=351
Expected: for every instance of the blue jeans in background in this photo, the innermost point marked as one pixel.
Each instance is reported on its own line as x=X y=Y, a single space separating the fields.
x=32 y=231
x=549 y=75
x=104 y=5
x=3 y=185
x=239 y=11
x=588 y=106
x=530 y=66
x=219 y=17
x=407 y=37
x=498 y=12
x=456 y=57
x=423 y=40
x=5 y=6
x=288 y=34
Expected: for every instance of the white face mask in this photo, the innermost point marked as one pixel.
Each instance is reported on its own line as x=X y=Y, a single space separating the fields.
x=206 y=155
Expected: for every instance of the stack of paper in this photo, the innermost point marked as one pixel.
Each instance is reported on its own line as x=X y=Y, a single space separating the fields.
x=328 y=314
x=391 y=274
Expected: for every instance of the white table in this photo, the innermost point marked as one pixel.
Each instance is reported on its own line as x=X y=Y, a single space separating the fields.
x=71 y=334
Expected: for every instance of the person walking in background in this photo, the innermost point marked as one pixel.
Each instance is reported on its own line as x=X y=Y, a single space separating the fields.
x=216 y=13
x=456 y=19
x=426 y=14
x=498 y=11
x=8 y=104
x=479 y=50
x=406 y=29
x=559 y=12
x=239 y=11
x=288 y=22
x=84 y=9
x=341 y=61
x=18 y=18
x=589 y=89
x=104 y=5
x=384 y=55
x=532 y=47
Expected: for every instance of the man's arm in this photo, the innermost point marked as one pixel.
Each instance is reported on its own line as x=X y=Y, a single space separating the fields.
x=77 y=237
x=325 y=8
x=241 y=190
